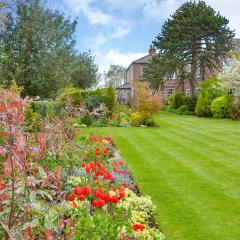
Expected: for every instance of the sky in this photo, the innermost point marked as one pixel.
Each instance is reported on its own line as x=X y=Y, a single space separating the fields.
x=121 y=31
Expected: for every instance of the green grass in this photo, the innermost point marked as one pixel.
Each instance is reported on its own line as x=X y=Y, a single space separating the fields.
x=190 y=166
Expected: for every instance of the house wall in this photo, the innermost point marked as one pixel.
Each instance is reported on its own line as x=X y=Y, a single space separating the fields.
x=123 y=95
x=130 y=74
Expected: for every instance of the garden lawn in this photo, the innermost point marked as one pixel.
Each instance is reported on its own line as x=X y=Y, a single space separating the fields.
x=191 y=168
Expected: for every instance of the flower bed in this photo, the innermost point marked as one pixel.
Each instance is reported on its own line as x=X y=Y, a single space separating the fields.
x=54 y=187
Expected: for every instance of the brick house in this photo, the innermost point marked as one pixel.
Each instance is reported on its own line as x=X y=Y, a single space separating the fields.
x=172 y=85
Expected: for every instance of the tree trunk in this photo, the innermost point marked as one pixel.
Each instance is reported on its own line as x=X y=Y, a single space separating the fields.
x=193 y=73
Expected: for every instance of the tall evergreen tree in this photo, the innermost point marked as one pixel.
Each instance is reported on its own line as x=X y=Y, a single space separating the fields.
x=195 y=36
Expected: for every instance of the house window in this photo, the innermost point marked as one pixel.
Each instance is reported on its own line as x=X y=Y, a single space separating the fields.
x=173 y=76
x=199 y=72
x=188 y=92
x=142 y=70
x=188 y=68
x=169 y=92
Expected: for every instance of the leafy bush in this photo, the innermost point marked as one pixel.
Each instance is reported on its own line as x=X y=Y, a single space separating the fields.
x=32 y=119
x=43 y=108
x=142 y=118
x=177 y=100
x=184 y=110
x=220 y=107
x=86 y=119
x=70 y=93
x=203 y=107
x=94 y=98
x=234 y=111
x=143 y=100
x=110 y=98
x=207 y=94
x=190 y=102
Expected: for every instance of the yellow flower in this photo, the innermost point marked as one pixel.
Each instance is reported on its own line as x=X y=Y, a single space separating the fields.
x=112 y=193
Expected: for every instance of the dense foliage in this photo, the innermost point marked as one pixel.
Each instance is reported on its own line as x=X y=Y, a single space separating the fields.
x=144 y=106
x=207 y=94
x=38 y=51
x=55 y=187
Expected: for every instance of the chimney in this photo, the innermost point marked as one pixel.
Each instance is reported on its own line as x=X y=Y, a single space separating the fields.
x=152 y=50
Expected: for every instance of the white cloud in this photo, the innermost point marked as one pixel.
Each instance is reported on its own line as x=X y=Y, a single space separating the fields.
x=97 y=17
x=116 y=57
x=230 y=10
x=159 y=10
x=93 y=15
x=121 y=31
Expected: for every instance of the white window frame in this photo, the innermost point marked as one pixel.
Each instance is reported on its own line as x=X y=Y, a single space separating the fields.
x=188 y=92
x=173 y=76
x=167 y=93
x=199 y=70
x=188 y=67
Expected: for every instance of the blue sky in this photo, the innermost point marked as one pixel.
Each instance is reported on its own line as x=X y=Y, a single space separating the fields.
x=120 y=31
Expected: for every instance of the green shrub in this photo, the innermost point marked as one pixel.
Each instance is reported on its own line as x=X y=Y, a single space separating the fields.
x=50 y=108
x=70 y=93
x=190 y=102
x=207 y=94
x=142 y=118
x=87 y=119
x=177 y=100
x=170 y=100
x=203 y=107
x=32 y=119
x=110 y=98
x=234 y=111
x=183 y=110
x=94 y=98
x=220 y=107
x=43 y=108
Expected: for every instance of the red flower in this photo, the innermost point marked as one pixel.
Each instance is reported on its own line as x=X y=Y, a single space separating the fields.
x=95 y=203
x=122 y=194
x=121 y=188
x=98 y=152
x=101 y=203
x=106 y=197
x=87 y=190
x=71 y=197
x=81 y=197
x=83 y=164
x=88 y=169
x=121 y=162
x=92 y=164
x=77 y=190
x=114 y=199
x=97 y=192
x=105 y=152
x=98 y=164
x=137 y=227
x=115 y=168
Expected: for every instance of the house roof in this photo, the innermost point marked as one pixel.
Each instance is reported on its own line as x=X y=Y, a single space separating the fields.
x=124 y=86
x=142 y=60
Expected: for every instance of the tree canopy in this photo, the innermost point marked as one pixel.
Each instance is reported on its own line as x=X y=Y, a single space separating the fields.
x=85 y=72
x=195 y=36
x=116 y=75
x=38 y=51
